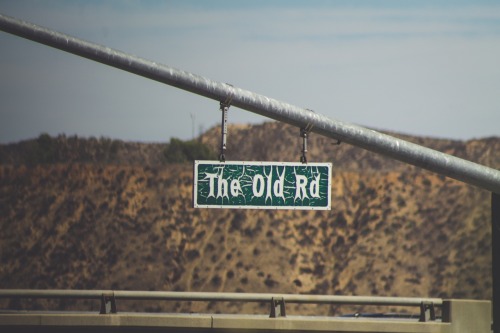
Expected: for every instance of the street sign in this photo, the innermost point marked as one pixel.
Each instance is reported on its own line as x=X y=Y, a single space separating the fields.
x=271 y=185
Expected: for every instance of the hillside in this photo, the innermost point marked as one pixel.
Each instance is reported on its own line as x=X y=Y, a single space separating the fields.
x=122 y=218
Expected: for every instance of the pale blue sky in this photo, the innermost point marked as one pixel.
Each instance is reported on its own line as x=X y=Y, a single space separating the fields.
x=420 y=67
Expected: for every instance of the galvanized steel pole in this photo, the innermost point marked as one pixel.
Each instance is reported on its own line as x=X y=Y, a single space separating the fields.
x=466 y=171
x=495 y=267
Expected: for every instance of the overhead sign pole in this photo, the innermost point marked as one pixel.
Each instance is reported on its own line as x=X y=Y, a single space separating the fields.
x=377 y=142
x=495 y=267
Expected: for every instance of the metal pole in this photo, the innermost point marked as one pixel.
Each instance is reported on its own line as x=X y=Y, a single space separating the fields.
x=495 y=257
x=401 y=150
x=53 y=293
x=218 y=297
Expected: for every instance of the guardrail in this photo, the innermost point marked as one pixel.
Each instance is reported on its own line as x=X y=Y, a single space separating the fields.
x=216 y=296
x=457 y=315
x=112 y=295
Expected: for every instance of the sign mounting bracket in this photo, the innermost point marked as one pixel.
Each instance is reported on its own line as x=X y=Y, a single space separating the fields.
x=304 y=133
x=224 y=107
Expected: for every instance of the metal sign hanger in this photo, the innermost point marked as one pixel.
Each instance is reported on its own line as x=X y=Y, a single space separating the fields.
x=224 y=107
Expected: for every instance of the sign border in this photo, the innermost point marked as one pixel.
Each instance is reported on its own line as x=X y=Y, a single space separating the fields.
x=326 y=164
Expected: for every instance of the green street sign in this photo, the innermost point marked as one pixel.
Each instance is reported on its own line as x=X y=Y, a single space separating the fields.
x=272 y=185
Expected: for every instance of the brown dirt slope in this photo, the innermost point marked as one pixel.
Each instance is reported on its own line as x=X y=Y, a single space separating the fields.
x=104 y=223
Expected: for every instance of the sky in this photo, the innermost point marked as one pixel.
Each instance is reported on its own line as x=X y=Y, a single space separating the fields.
x=429 y=68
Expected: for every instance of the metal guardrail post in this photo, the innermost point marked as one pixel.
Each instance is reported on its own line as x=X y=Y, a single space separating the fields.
x=108 y=303
x=277 y=307
x=427 y=312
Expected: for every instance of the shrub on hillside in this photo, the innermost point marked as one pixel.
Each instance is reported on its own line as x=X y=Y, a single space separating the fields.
x=178 y=151
x=42 y=150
